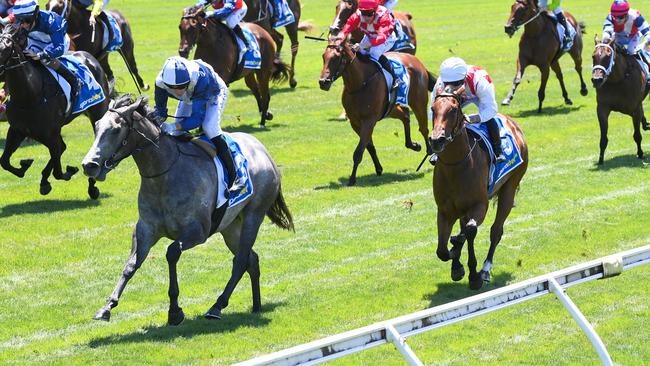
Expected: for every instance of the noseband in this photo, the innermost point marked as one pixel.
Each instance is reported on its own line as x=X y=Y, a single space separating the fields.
x=459 y=116
x=341 y=65
x=609 y=68
x=112 y=162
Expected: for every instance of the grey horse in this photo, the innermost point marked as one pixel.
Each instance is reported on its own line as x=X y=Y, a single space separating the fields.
x=177 y=199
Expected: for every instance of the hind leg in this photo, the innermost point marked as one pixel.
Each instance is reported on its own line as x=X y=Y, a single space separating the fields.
x=263 y=78
x=420 y=112
x=253 y=85
x=558 y=73
x=292 y=31
x=56 y=150
x=404 y=115
x=14 y=138
x=521 y=67
x=637 y=117
x=576 y=55
x=373 y=155
x=541 y=93
x=603 y=116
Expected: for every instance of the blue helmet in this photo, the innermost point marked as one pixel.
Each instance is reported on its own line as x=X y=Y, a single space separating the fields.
x=25 y=9
x=175 y=74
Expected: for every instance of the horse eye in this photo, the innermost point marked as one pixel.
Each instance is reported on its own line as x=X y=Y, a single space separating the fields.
x=193 y=22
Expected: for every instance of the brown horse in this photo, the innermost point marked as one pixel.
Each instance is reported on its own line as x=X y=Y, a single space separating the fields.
x=620 y=86
x=257 y=13
x=216 y=46
x=365 y=96
x=460 y=180
x=87 y=39
x=539 y=46
x=345 y=8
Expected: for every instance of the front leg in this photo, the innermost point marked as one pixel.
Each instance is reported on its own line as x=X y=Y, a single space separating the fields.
x=521 y=67
x=603 y=116
x=444 y=231
x=142 y=241
x=14 y=139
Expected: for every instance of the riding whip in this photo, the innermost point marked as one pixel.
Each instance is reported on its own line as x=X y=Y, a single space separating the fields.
x=422 y=162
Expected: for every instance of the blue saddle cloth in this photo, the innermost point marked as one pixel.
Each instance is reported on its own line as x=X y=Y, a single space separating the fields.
x=510 y=150
x=403 y=40
x=241 y=168
x=252 y=59
x=91 y=92
x=400 y=71
x=282 y=13
x=117 y=41
x=560 y=33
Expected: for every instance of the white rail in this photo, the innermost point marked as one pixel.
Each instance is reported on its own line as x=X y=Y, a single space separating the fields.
x=396 y=330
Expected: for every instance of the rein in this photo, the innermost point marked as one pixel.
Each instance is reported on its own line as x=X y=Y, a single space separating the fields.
x=539 y=12
x=458 y=129
x=15 y=55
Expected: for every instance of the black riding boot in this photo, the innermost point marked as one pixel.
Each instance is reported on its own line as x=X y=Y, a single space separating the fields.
x=562 y=19
x=235 y=183
x=240 y=33
x=72 y=79
x=495 y=137
x=383 y=61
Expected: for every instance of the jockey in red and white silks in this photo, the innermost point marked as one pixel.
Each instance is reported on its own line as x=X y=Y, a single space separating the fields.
x=378 y=27
x=626 y=26
x=230 y=11
x=479 y=90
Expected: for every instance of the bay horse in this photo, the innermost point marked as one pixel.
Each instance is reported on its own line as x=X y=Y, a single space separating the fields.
x=257 y=13
x=38 y=108
x=460 y=179
x=365 y=96
x=539 y=46
x=215 y=45
x=621 y=86
x=89 y=39
x=345 y=8
x=177 y=200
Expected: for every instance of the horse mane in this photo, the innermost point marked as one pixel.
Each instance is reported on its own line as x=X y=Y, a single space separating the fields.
x=128 y=99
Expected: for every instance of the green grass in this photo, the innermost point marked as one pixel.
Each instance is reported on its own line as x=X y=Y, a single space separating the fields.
x=358 y=255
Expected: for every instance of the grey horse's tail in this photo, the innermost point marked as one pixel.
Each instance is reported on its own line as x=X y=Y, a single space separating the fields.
x=279 y=213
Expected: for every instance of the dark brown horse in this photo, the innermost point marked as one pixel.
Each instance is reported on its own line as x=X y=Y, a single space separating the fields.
x=345 y=8
x=365 y=96
x=215 y=45
x=87 y=39
x=257 y=13
x=539 y=46
x=460 y=180
x=621 y=87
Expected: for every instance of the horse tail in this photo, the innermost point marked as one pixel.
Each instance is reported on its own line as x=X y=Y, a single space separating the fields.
x=279 y=213
x=305 y=26
x=583 y=27
x=280 y=71
x=432 y=81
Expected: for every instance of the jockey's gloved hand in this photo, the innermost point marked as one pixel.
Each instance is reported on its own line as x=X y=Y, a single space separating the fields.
x=31 y=54
x=92 y=21
x=356 y=47
x=168 y=128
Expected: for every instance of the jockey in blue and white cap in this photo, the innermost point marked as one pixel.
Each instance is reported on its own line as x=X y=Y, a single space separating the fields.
x=47 y=39
x=202 y=95
x=479 y=90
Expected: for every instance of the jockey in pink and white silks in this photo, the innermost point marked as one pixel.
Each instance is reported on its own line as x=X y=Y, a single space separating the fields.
x=388 y=4
x=479 y=90
x=626 y=26
x=378 y=26
x=232 y=11
x=202 y=95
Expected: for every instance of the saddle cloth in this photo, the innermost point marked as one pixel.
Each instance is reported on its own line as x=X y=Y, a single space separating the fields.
x=284 y=15
x=241 y=167
x=510 y=150
x=252 y=58
x=91 y=92
x=114 y=44
x=403 y=40
x=400 y=71
x=560 y=32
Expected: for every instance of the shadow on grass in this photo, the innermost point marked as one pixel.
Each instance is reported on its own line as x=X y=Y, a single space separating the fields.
x=191 y=327
x=26 y=142
x=48 y=206
x=621 y=161
x=273 y=90
x=373 y=180
x=255 y=128
x=452 y=291
x=547 y=111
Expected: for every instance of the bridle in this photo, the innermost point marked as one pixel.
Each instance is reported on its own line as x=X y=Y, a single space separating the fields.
x=16 y=54
x=458 y=128
x=525 y=6
x=607 y=70
x=341 y=65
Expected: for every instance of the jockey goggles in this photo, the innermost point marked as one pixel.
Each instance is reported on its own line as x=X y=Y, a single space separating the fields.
x=177 y=87
x=367 y=13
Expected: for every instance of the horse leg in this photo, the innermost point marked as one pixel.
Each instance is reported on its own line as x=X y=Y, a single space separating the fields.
x=603 y=116
x=444 y=225
x=558 y=73
x=404 y=115
x=423 y=127
x=457 y=243
x=248 y=234
x=375 y=159
x=541 y=93
x=265 y=97
x=637 y=117
x=46 y=187
x=141 y=243
x=14 y=138
x=364 y=138
x=521 y=67
x=93 y=191
x=253 y=85
x=292 y=31
x=474 y=220
x=56 y=151
x=577 y=60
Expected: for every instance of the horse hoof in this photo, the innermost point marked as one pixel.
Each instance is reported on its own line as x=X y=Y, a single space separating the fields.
x=568 y=101
x=443 y=255
x=379 y=171
x=175 y=317
x=293 y=83
x=640 y=156
x=584 y=92
x=475 y=283
x=145 y=87
x=103 y=314
x=485 y=276
x=214 y=313
x=646 y=126
x=257 y=308
x=457 y=274
x=71 y=170
x=45 y=189
x=269 y=116
x=601 y=161
x=342 y=117
x=457 y=240
x=352 y=181
x=505 y=102
x=416 y=147
x=25 y=164
x=93 y=193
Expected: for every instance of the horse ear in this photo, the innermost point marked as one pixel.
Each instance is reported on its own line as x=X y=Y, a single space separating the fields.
x=460 y=92
x=596 y=41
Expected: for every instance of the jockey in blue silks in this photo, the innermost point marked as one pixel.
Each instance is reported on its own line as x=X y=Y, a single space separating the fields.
x=202 y=95
x=6 y=14
x=97 y=11
x=47 y=40
x=232 y=11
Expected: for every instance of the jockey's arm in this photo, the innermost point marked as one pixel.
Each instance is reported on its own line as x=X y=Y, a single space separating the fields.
x=608 y=29
x=351 y=25
x=221 y=13
x=196 y=118
x=56 y=28
x=98 y=6
x=8 y=19
x=161 y=96
x=487 y=103
x=384 y=30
